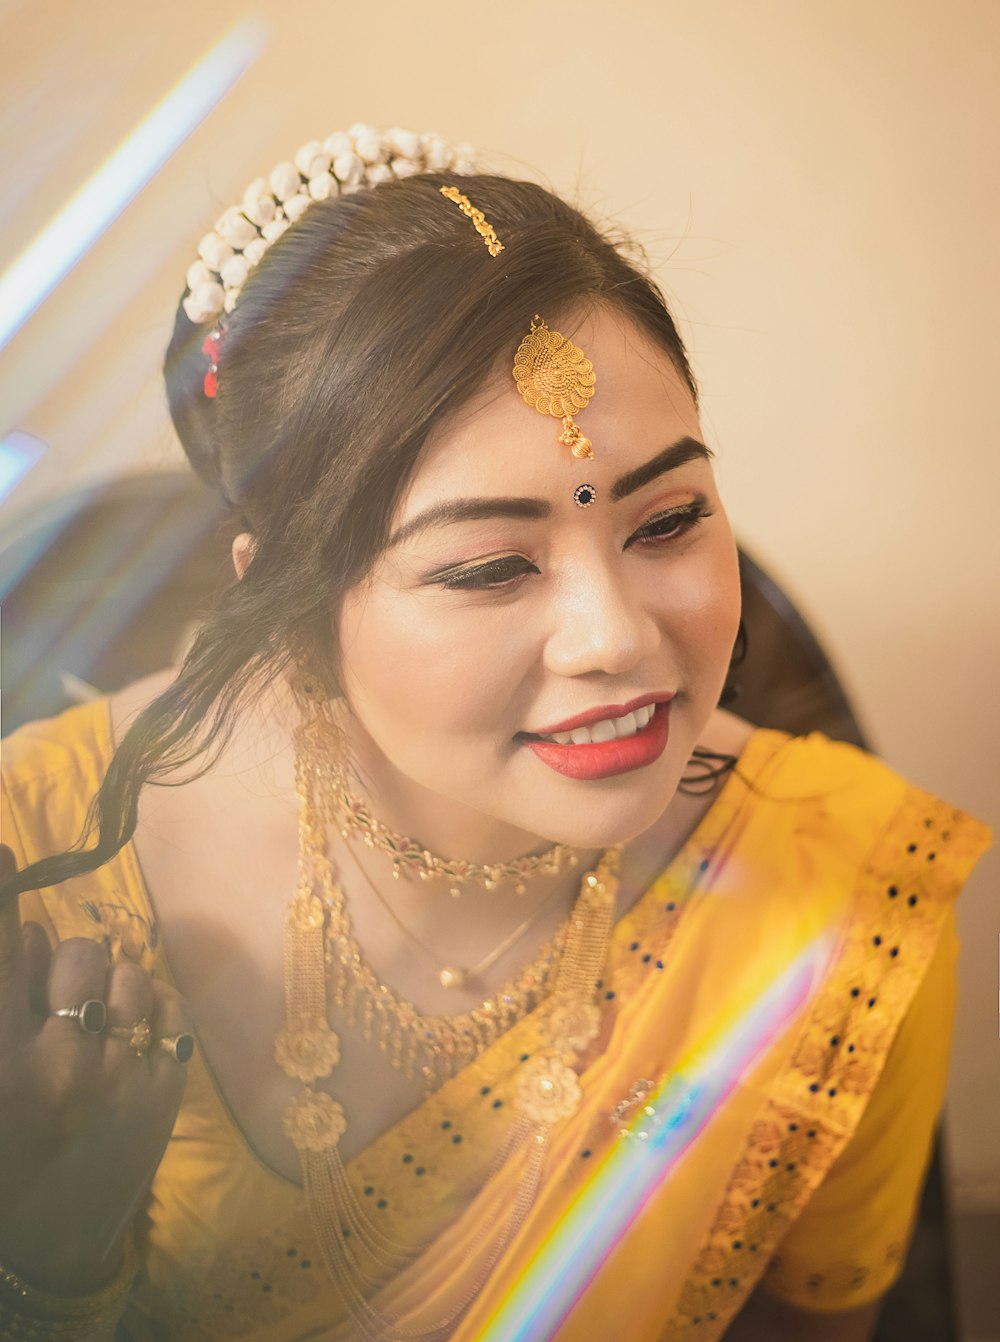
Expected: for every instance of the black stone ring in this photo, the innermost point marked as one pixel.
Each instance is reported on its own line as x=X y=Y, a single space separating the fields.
x=91 y=1016
x=179 y=1046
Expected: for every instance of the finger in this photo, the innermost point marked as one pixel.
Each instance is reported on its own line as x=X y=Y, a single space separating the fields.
x=37 y=965
x=172 y=1027
x=77 y=973
x=155 y=1089
x=10 y=922
x=130 y=1002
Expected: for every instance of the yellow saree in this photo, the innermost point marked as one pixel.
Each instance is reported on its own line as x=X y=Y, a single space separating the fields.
x=777 y=1012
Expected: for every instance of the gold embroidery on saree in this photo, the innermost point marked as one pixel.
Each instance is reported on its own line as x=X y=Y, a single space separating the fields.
x=894 y=926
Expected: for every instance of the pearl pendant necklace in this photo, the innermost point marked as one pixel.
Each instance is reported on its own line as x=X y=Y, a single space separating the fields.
x=453 y=977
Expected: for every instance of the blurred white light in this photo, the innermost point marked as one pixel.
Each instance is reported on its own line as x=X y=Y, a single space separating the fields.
x=18 y=453
x=35 y=273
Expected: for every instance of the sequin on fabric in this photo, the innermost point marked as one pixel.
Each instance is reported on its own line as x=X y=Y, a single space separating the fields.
x=891 y=935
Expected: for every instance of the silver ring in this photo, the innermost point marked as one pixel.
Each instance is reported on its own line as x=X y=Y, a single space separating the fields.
x=91 y=1016
x=179 y=1046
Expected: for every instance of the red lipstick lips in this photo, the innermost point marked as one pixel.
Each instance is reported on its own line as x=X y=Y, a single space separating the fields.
x=599 y=714
x=606 y=759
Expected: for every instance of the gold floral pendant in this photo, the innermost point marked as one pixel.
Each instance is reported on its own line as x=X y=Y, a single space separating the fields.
x=555 y=377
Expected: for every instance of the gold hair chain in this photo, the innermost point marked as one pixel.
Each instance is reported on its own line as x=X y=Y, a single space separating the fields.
x=482 y=225
x=553 y=375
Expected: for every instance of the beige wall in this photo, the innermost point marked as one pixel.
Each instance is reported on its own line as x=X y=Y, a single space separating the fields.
x=817 y=187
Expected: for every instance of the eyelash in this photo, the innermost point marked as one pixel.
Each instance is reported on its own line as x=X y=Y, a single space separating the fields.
x=497 y=574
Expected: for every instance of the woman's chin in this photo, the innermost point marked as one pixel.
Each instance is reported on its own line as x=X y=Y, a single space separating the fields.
x=605 y=821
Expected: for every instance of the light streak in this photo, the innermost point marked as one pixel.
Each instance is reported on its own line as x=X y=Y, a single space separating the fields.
x=634 y=1169
x=18 y=453
x=46 y=261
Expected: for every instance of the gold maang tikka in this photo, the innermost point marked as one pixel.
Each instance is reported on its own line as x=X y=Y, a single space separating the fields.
x=556 y=378
x=552 y=374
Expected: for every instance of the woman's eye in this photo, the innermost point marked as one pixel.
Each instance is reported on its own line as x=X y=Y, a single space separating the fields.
x=504 y=572
x=671 y=525
x=497 y=573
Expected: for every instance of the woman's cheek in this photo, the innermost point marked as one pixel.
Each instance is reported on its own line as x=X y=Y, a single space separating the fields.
x=718 y=593
x=701 y=597
x=418 y=669
x=703 y=621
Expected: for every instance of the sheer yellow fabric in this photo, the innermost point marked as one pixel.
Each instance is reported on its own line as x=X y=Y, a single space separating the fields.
x=807 y=1169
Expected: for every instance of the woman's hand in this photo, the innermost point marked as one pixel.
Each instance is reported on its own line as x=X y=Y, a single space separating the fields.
x=84 y=1118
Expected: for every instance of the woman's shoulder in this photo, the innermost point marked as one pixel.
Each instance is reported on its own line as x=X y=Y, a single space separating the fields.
x=126 y=704
x=777 y=766
x=64 y=753
x=814 y=803
x=808 y=765
x=52 y=770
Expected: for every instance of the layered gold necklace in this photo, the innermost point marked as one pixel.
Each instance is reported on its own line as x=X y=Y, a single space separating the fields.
x=453 y=976
x=318 y=935
x=412 y=1040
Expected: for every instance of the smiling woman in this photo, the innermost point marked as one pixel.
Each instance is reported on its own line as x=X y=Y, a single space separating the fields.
x=502 y=1024
x=634 y=601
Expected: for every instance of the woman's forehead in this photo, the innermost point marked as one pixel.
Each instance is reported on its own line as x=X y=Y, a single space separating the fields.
x=498 y=444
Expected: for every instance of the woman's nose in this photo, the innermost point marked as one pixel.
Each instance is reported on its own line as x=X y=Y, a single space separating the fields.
x=598 y=625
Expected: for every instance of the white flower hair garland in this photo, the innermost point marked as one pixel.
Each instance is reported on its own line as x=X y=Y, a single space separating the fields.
x=345 y=162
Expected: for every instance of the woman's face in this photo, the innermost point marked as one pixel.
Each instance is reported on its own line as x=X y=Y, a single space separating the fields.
x=484 y=626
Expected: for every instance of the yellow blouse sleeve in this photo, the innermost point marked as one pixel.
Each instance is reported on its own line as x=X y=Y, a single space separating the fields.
x=50 y=774
x=849 y=1244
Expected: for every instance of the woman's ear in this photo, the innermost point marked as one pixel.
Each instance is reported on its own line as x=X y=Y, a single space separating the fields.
x=243 y=548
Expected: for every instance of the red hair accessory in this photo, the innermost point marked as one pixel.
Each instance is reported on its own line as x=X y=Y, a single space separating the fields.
x=212 y=349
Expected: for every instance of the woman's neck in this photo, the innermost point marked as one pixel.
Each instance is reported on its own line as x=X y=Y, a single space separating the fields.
x=441 y=825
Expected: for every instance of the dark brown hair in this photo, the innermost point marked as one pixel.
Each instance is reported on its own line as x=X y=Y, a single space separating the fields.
x=365 y=326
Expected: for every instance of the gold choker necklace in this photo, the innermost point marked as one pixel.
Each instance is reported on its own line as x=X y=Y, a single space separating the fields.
x=353 y=816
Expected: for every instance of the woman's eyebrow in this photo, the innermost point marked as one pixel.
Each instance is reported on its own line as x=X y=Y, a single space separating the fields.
x=677 y=454
x=478 y=509
x=470 y=510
